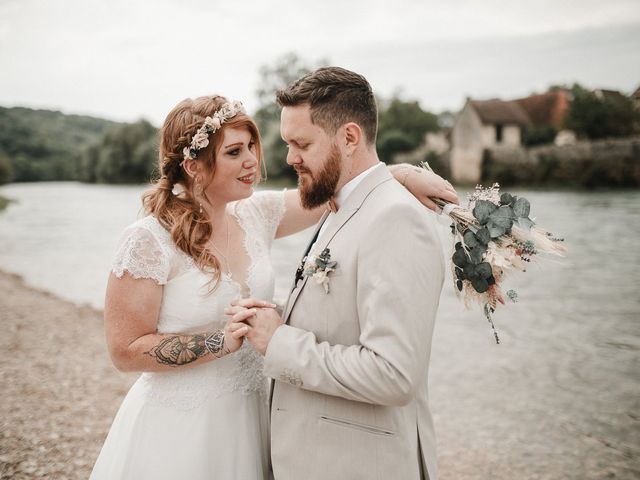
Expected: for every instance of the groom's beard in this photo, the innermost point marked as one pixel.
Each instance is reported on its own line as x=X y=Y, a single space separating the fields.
x=318 y=189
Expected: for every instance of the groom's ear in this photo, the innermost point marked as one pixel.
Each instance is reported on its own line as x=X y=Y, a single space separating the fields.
x=352 y=136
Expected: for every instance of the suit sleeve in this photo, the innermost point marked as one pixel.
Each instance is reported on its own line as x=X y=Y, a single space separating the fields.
x=399 y=275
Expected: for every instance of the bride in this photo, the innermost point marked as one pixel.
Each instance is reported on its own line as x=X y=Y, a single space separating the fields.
x=199 y=409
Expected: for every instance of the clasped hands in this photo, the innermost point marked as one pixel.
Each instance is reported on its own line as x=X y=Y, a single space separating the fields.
x=253 y=319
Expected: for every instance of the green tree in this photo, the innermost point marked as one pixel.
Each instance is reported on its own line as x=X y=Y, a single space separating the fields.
x=539 y=135
x=393 y=141
x=44 y=144
x=6 y=170
x=402 y=127
x=284 y=71
x=126 y=154
x=594 y=117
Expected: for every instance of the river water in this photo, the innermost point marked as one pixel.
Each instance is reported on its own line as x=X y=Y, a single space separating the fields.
x=558 y=398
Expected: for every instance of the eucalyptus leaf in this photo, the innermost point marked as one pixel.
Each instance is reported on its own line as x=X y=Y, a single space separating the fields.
x=521 y=207
x=503 y=217
x=524 y=223
x=460 y=258
x=491 y=280
x=469 y=271
x=506 y=199
x=482 y=210
x=484 y=270
x=470 y=239
x=480 y=285
x=483 y=236
x=459 y=273
x=459 y=285
x=477 y=253
x=495 y=231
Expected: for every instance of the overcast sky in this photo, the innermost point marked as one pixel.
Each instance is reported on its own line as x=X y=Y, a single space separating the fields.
x=127 y=59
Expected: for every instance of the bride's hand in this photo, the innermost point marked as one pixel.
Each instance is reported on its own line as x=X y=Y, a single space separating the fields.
x=234 y=332
x=250 y=303
x=425 y=185
x=240 y=311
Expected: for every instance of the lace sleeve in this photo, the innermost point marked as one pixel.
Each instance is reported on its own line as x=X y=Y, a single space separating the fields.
x=140 y=254
x=267 y=208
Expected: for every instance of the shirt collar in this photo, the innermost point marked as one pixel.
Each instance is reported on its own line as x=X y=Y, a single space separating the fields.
x=351 y=185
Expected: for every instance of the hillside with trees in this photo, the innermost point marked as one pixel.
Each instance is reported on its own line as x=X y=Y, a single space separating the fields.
x=44 y=145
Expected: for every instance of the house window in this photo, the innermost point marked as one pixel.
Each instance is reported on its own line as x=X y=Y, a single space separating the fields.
x=499 y=133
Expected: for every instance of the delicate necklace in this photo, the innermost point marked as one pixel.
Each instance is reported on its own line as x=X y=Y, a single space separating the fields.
x=224 y=257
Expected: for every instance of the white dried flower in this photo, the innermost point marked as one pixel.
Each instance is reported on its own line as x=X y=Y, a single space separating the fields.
x=200 y=140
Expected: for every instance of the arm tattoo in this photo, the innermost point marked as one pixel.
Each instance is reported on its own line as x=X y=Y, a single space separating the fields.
x=215 y=344
x=179 y=350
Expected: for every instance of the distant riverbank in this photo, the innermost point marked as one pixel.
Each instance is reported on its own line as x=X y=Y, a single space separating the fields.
x=4 y=201
x=612 y=163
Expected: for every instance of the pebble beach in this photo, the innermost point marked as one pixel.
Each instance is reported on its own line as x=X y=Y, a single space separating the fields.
x=59 y=388
x=60 y=393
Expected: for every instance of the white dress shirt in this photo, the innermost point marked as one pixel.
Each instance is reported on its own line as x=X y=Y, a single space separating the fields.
x=343 y=194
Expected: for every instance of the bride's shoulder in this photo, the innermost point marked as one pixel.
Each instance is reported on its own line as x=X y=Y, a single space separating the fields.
x=149 y=226
x=145 y=251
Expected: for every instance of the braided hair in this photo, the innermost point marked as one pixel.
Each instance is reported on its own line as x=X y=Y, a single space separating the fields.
x=174 y=198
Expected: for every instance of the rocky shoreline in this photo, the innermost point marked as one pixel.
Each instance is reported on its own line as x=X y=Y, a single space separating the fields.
x=59 y=389
x=528 y=419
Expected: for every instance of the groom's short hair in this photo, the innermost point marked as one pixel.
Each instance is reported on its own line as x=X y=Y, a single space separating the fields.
x=336 y=96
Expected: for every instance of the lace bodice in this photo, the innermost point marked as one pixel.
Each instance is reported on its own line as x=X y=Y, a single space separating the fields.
x=146 y=250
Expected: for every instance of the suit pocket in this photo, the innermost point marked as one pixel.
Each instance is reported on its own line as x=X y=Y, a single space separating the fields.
x=357 y=426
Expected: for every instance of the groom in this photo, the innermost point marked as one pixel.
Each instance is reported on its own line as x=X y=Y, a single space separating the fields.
x=350 y=355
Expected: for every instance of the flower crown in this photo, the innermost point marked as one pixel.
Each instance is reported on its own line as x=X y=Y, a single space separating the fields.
x=211 y=124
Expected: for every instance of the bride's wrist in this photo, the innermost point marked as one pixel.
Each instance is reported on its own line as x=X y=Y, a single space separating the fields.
x=216 y=345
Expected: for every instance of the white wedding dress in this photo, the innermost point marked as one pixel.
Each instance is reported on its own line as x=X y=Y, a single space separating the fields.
x=211 y=420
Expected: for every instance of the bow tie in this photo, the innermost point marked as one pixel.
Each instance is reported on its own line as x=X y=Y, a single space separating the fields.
x=331 y=204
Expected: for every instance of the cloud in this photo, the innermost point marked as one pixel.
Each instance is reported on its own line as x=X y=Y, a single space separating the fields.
x=125 y=60
x=441 y=73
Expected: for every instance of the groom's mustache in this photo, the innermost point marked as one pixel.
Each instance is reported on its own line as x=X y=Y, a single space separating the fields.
x=302 y=169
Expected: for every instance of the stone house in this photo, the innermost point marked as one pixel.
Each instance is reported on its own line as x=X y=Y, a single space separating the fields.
x=480 y=125
x=500 y=124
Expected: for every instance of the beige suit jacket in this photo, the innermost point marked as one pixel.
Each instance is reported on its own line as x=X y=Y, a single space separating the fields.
x=350 y=400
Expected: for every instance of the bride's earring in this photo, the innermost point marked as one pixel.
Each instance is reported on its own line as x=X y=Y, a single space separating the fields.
x=197 y=191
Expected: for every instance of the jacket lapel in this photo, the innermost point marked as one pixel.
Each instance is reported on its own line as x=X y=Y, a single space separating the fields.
x=298 y=283
x=351 y=205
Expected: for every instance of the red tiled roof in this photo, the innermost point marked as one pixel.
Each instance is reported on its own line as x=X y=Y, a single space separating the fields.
x=549 y=108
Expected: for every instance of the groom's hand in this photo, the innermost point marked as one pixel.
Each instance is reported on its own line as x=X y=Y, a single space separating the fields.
x=262 y=327
x=262 y=318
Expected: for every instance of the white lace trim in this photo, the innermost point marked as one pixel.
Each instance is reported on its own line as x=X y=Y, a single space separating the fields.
x=259 y=217
x=140 y=254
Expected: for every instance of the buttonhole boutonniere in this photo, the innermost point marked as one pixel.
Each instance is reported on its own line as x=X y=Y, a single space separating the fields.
x=319 y=267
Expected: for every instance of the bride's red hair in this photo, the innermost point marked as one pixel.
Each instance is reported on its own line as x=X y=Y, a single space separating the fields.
x=180 y=212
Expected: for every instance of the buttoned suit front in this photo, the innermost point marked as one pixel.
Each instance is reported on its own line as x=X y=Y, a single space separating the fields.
x=350 y=397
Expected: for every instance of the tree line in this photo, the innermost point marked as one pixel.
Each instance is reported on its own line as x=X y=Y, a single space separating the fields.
x=41 y=145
